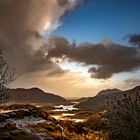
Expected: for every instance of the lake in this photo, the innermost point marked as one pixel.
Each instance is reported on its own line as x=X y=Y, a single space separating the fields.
x=66 y=116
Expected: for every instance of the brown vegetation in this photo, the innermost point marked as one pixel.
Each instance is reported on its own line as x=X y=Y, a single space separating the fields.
x=123 y=118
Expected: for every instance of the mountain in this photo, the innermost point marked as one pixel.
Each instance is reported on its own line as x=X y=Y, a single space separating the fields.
x=99 y=102
x=108 y=91
x=82 y=99
x=33 y=95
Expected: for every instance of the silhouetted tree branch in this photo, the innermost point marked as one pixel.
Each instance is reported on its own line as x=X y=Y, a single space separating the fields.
x=6 y=77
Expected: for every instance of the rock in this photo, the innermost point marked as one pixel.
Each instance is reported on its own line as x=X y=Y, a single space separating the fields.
x=49 y=138
x=2 y=118
x=37 y=112
x=10 y=126
x=6 y=138
x=12 y=114
x=17 y=133
x=21 y=114
x=4 y=134
x=43 y=114
x=33 y=111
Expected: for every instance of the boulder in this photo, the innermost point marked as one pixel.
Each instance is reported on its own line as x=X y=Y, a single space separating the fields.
x=17 y=132
x=10 y=126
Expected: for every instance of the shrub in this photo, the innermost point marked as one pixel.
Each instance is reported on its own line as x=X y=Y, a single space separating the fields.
x=96 y=123
x=123 y=118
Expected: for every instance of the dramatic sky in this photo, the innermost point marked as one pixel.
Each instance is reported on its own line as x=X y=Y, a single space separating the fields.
x=72 y=48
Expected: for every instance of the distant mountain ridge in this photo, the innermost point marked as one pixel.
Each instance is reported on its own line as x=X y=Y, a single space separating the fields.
x=33 y=95
x=82 y=99
x=108 y=91
x=99 y=101
x=103 y=92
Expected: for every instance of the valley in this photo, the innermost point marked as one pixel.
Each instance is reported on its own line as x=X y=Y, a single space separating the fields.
x=58 y=120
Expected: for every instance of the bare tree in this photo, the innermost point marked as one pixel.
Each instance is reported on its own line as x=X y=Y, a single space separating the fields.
x=6 y=77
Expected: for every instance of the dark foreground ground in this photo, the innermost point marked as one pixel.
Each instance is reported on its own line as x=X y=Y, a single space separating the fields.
x=27 y=122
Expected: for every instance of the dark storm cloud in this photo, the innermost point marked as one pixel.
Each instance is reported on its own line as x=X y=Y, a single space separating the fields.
x=41 y=62
x=59 y=46
x=22 y=23
x=19 y=17
x=26 y=61
x=62 y=2
x=104 y=59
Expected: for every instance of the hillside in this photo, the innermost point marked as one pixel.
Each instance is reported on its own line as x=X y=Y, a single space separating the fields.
x=99 y=101
x=108 y=91
x=82 y=99
x=33 y=95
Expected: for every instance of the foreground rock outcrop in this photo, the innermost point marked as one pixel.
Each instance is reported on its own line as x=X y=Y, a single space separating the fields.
x=27 y=122
x=19 y=121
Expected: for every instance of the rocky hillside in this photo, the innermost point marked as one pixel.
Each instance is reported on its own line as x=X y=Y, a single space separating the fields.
x=108 y=91
x=99 y=102
x=33 y=95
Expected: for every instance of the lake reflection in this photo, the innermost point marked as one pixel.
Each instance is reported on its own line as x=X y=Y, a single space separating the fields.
x=66 y=116
x=66 y=107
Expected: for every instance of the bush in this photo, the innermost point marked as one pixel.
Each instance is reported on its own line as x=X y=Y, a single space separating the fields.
x=96 y=123
x=123 y=118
